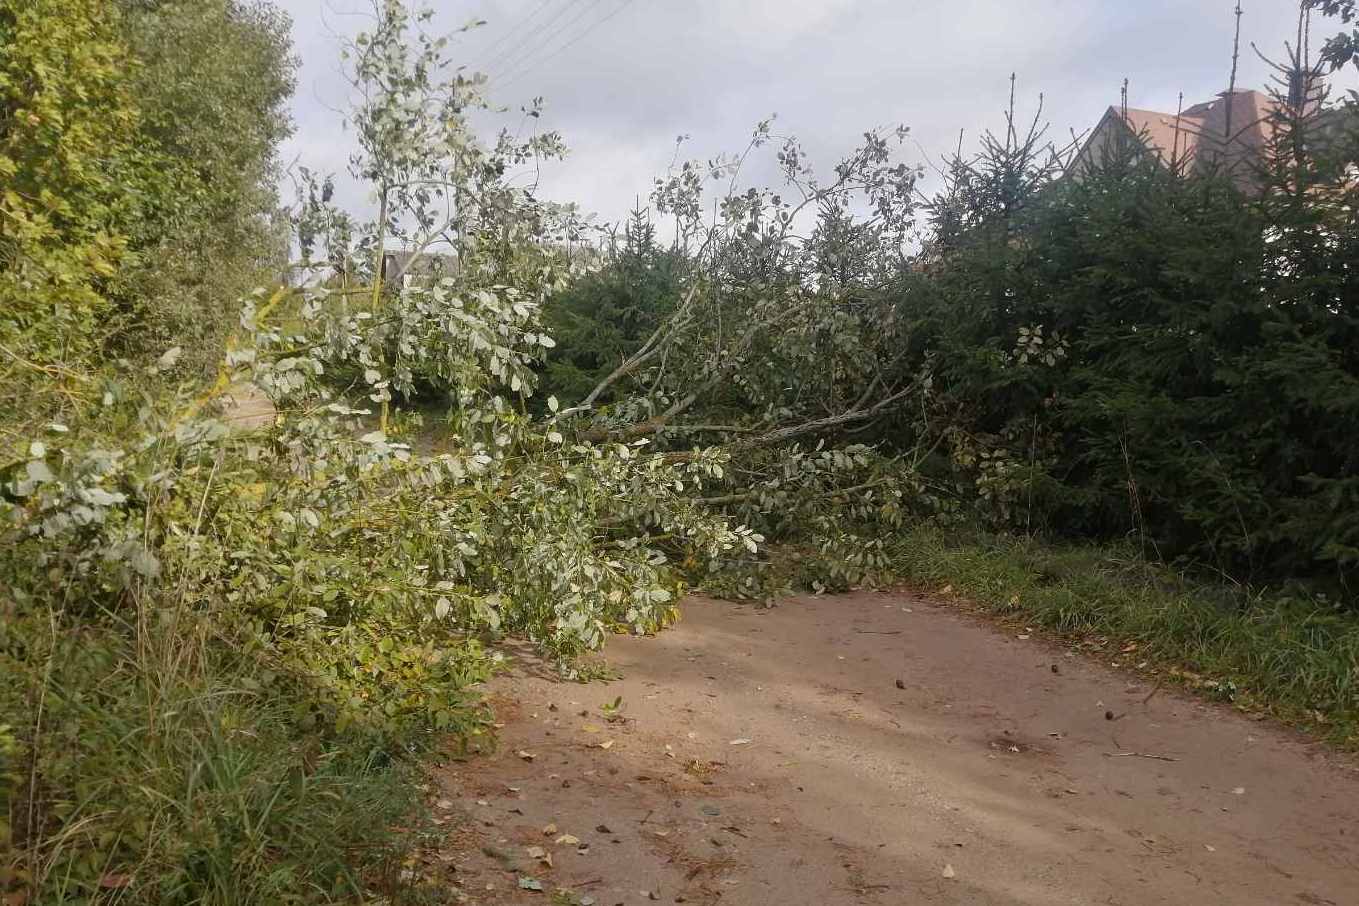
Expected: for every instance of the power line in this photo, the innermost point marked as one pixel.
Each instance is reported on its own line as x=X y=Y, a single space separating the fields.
x=515 y=67
x=525 y=48
x=567 y=46
x=525 y=52
x=517 y=26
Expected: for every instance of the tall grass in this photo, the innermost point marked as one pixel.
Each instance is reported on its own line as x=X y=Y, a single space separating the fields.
x=161 y=763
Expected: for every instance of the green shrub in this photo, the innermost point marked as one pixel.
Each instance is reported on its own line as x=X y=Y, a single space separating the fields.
x=65 y=148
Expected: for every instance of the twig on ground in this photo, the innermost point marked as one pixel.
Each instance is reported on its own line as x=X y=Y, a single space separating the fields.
x=1138 y=755
x=1154 y=689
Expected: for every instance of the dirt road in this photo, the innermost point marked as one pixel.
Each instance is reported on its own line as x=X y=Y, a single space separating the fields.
x=884 y=749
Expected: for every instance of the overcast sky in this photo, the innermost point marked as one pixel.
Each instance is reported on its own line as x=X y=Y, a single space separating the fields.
x=623 y=78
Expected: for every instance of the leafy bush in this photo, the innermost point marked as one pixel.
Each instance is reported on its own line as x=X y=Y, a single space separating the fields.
x=64 y=162
x=137 y=158
x=211 y=87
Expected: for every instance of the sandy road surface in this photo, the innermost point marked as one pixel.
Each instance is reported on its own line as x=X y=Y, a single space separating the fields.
x=898 y=752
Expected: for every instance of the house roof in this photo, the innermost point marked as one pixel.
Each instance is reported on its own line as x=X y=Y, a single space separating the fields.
x=1198 y=135
x=1172 y=137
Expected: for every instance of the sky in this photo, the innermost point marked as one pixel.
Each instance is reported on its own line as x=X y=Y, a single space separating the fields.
x=622 y=79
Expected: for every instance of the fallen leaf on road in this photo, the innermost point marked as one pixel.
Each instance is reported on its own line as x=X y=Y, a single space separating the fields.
x=527 y=756
x=949 y=872
x=549 y=830
x=740 y=742
x=1211 y=849
x=530 y=884
x=1239 y=791
x=568 y=840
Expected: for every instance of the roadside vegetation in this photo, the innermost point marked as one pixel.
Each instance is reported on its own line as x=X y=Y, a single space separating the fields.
x=224 y=653
x=1267 y=651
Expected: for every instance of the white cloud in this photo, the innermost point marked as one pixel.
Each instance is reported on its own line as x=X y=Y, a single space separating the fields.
x=623 y=78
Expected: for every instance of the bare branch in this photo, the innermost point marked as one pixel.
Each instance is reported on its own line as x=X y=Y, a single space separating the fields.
x=815 y=426
x=653 y=344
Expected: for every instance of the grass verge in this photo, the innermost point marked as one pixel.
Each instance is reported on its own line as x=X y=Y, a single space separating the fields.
x=152 y=763
x=1295 y=657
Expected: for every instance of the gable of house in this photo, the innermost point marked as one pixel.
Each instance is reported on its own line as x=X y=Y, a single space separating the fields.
x=1231 y=131
x=1172 y=140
